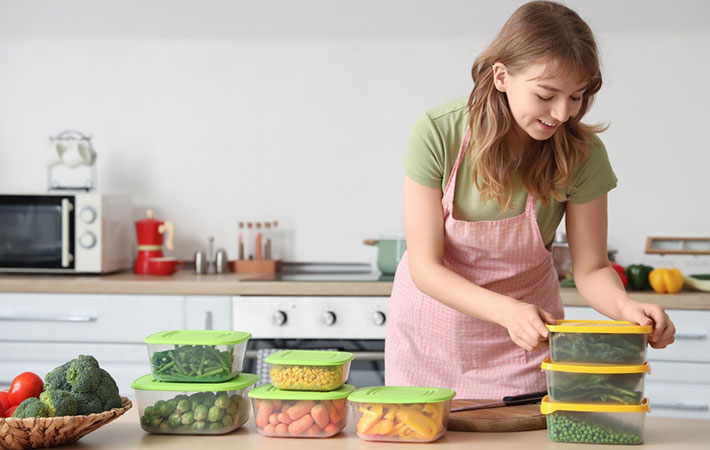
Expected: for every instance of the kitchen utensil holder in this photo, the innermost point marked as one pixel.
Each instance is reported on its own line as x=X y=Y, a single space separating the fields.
x=255 y=265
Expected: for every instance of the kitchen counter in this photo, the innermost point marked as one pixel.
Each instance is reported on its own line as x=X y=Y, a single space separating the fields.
x=125 y=433
x=188 y=283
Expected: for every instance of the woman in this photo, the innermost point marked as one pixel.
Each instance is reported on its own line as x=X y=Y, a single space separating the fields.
x=487 y=183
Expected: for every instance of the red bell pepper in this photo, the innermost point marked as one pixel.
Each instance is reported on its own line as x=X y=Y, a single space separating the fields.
x=621 y=272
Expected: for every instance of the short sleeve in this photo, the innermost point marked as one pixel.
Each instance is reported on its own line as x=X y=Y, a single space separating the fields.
x=424 y=160
x=594 y=177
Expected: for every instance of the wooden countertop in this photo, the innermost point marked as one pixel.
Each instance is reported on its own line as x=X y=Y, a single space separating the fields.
x=125 y=433
x=188 y=283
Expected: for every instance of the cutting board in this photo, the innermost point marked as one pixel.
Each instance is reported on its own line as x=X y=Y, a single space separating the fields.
x=505 y=418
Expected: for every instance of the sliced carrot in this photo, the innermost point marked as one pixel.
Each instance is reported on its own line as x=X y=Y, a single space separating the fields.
x=300 y=426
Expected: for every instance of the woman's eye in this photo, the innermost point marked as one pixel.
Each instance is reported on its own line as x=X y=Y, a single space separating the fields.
x=544 y=99
x=576 y=99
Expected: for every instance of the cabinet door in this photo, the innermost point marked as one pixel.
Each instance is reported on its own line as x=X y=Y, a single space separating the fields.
x=87 y=317
x=208 y=313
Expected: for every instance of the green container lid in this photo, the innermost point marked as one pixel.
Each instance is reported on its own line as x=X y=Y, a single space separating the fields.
x=197 y=337
x=268 y=391
x=149 y=383
x=309 y=358
x=401 y=394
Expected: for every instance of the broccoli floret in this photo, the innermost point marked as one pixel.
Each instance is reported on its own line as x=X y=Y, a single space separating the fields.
x=31 y=407
x=83 y=374
x=59 y=402
x=107 y=392
x=87 y=403
x=57 y=378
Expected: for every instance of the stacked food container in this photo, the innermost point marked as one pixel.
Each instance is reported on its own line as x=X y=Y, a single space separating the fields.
x=595 y=380
x=307 y=396
x=196 y=385
x=401 y=413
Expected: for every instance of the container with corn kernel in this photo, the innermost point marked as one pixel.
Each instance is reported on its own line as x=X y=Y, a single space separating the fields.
x=309 y=370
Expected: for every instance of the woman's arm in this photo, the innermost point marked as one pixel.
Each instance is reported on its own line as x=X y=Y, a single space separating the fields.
x=424 y=228
x=599 y=284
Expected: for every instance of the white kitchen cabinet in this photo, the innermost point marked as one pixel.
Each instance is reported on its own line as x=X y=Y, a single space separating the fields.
x=679 y=382
x=41 y=331
x=208 y=313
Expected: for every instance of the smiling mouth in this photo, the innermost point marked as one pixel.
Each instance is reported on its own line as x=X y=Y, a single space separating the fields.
x=547 y=123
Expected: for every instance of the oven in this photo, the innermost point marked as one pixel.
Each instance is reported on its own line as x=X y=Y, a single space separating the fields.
x=355 y=324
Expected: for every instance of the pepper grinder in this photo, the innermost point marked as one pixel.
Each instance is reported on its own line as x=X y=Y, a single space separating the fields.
x=210 y=261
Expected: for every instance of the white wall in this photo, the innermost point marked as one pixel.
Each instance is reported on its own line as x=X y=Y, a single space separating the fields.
x=212 y=112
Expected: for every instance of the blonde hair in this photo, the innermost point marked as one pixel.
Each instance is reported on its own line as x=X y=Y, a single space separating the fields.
x=538 y=32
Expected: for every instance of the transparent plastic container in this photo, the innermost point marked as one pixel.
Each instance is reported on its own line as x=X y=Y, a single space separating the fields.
x=309 y=414
x=309 y=370
x=192 y=408
x=197 y=356
x=595 y=384
x=595 y=424
x=598 y=342
x=401 y=414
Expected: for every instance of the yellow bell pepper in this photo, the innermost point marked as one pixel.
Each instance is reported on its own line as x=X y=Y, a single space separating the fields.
x=382 y=427
x=665 y=280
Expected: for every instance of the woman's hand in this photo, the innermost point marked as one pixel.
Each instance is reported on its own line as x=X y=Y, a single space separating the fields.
x=648 y=314
x=526 y=325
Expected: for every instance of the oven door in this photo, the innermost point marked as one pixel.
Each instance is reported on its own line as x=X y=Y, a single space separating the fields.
x=36 y=233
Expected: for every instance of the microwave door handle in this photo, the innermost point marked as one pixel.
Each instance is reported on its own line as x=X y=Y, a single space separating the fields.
x=66 y=209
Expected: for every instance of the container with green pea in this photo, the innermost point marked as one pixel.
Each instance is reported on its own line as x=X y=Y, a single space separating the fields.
x=595 y=423
x=309 y=370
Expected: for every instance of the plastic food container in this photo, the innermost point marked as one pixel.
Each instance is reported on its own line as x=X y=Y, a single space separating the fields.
x=197 y=356
x=595 y=424
x=309 y=414
x=598 y=342
x=399 y=413
x=309 y=370
x=192 y=408
x=595 y=384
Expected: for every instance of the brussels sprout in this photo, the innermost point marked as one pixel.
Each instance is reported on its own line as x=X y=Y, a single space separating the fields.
x=222 y=401
x=188 y=418
x=215 y=414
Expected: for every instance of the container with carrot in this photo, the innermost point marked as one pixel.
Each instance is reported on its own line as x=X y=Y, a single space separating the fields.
x=310 y=414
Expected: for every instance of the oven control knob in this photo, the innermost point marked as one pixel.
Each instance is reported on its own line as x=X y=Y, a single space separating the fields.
x=379 y=318
x=87 y=239
x=87 y=214
x=329 y=318
x=280 y=318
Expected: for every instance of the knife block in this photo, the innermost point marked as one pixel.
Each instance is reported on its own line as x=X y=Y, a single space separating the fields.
x=255 y=265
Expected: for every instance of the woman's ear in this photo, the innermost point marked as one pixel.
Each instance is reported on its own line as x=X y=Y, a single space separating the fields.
x=500 y=75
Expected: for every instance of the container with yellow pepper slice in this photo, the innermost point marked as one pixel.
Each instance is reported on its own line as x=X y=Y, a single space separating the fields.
x=401 y=413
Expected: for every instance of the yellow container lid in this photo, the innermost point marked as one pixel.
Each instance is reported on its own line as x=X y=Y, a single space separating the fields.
x=548 y=407
x=547 y=364
x=599 y=326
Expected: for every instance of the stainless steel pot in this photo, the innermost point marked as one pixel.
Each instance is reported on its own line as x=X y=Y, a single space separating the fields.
x=389 y=252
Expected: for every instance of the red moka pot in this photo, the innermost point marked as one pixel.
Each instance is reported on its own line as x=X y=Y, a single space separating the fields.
x=150 y=233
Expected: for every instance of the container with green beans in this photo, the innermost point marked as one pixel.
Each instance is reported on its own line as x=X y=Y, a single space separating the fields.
x=595 y=423
x=197 y=356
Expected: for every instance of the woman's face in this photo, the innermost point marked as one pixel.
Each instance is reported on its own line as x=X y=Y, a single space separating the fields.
x=539 y=105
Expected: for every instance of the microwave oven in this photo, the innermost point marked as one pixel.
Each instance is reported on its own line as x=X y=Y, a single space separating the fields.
x=65 y=232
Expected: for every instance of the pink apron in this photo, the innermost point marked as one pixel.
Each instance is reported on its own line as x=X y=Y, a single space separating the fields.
x=430 y=344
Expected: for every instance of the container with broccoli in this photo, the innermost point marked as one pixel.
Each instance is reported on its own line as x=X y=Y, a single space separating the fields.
x=192 y=408
x=598 y=342
x=202 y=356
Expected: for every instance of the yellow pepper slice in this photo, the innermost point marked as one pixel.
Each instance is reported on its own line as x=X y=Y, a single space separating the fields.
x=665 y=280
x=366 y=422
x=382 y=427
x=417 y=422
x=434 y=411
x=391 y=413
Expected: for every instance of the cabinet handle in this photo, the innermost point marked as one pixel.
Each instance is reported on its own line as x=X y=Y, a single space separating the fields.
x=691 y=337
x=208 y=320
x=680 y=406
x=48 y=319
x=66 y=209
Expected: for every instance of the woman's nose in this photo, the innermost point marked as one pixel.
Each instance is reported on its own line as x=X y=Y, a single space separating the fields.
x=561 y=112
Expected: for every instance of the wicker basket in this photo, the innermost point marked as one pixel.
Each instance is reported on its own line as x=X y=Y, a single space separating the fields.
x=52 y=431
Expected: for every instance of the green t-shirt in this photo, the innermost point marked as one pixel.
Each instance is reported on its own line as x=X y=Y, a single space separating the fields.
x=434 y=144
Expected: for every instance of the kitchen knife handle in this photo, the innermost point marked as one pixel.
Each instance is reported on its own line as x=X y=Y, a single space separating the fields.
x=524 y=399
